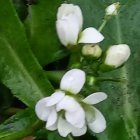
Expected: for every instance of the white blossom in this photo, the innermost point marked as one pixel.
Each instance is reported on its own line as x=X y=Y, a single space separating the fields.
x=65 y=111
x=117 y=55
x=69 y=25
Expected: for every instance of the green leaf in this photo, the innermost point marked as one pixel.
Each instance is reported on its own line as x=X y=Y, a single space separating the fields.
x=125 y=96
x=21 y=8
x=22 y=124
x=121 y=109
x=41 y=31
x=6 y=101
x=19 y=69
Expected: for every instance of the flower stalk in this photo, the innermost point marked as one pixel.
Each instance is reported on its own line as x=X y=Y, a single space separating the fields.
x=70 y=137
x=105 y=20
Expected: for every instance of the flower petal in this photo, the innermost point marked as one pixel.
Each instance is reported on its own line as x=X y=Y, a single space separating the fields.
x=90 y=35
x=99 y=124
x=64 y=128
x=68 y=104
x=52 y=118
x=73 y=81
x=117 y=55
x=77 y=118
x=79 y=131
x=52 y=127
x=41 y=110
x=68 y=30
x=55 y=98
x=90 y=114
x=67 y=9
x=95 y=98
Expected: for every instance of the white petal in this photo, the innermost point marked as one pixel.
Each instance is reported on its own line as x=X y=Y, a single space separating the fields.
x=68 y=104
x=64 y=128
x=67 y=9
x=90 y=114
x=55 y=98
x=52 y=118
x=79 y=131
x=41 y=110
x=95 y=98
x=77 y=118
x=73 y=81
x=79 y=15
x=90 y=35
x=99 y=124
x=52 y=127
x=117 y=55
x=68 y=30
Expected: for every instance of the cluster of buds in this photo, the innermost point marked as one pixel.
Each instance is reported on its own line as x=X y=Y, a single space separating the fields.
x=69 y=29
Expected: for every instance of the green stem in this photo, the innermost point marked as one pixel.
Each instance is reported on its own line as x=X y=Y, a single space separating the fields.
x=12 y=110
x=70 y=137
x=74 y=61
x=102 y=79
x=105 y=20
x=103 y=24
x=92 y=80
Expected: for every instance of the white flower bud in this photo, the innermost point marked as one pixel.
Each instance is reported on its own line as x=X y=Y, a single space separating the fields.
x=112 y=9
x=93 y=51
x=117 y=55
x=69 y=23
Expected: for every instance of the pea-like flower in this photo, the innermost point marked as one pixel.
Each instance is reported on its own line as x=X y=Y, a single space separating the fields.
x=69 y=25
x=67 y=111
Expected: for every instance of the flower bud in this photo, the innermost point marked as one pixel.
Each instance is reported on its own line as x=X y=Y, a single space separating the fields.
x=117 y=55
x=93 y=51
x=112 y=9
x=69 y=23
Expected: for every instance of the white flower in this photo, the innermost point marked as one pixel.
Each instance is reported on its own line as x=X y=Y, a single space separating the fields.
x=117 y=55
x=69 y=25
x=112 y=9
x=66 y=111
x=93 y=51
